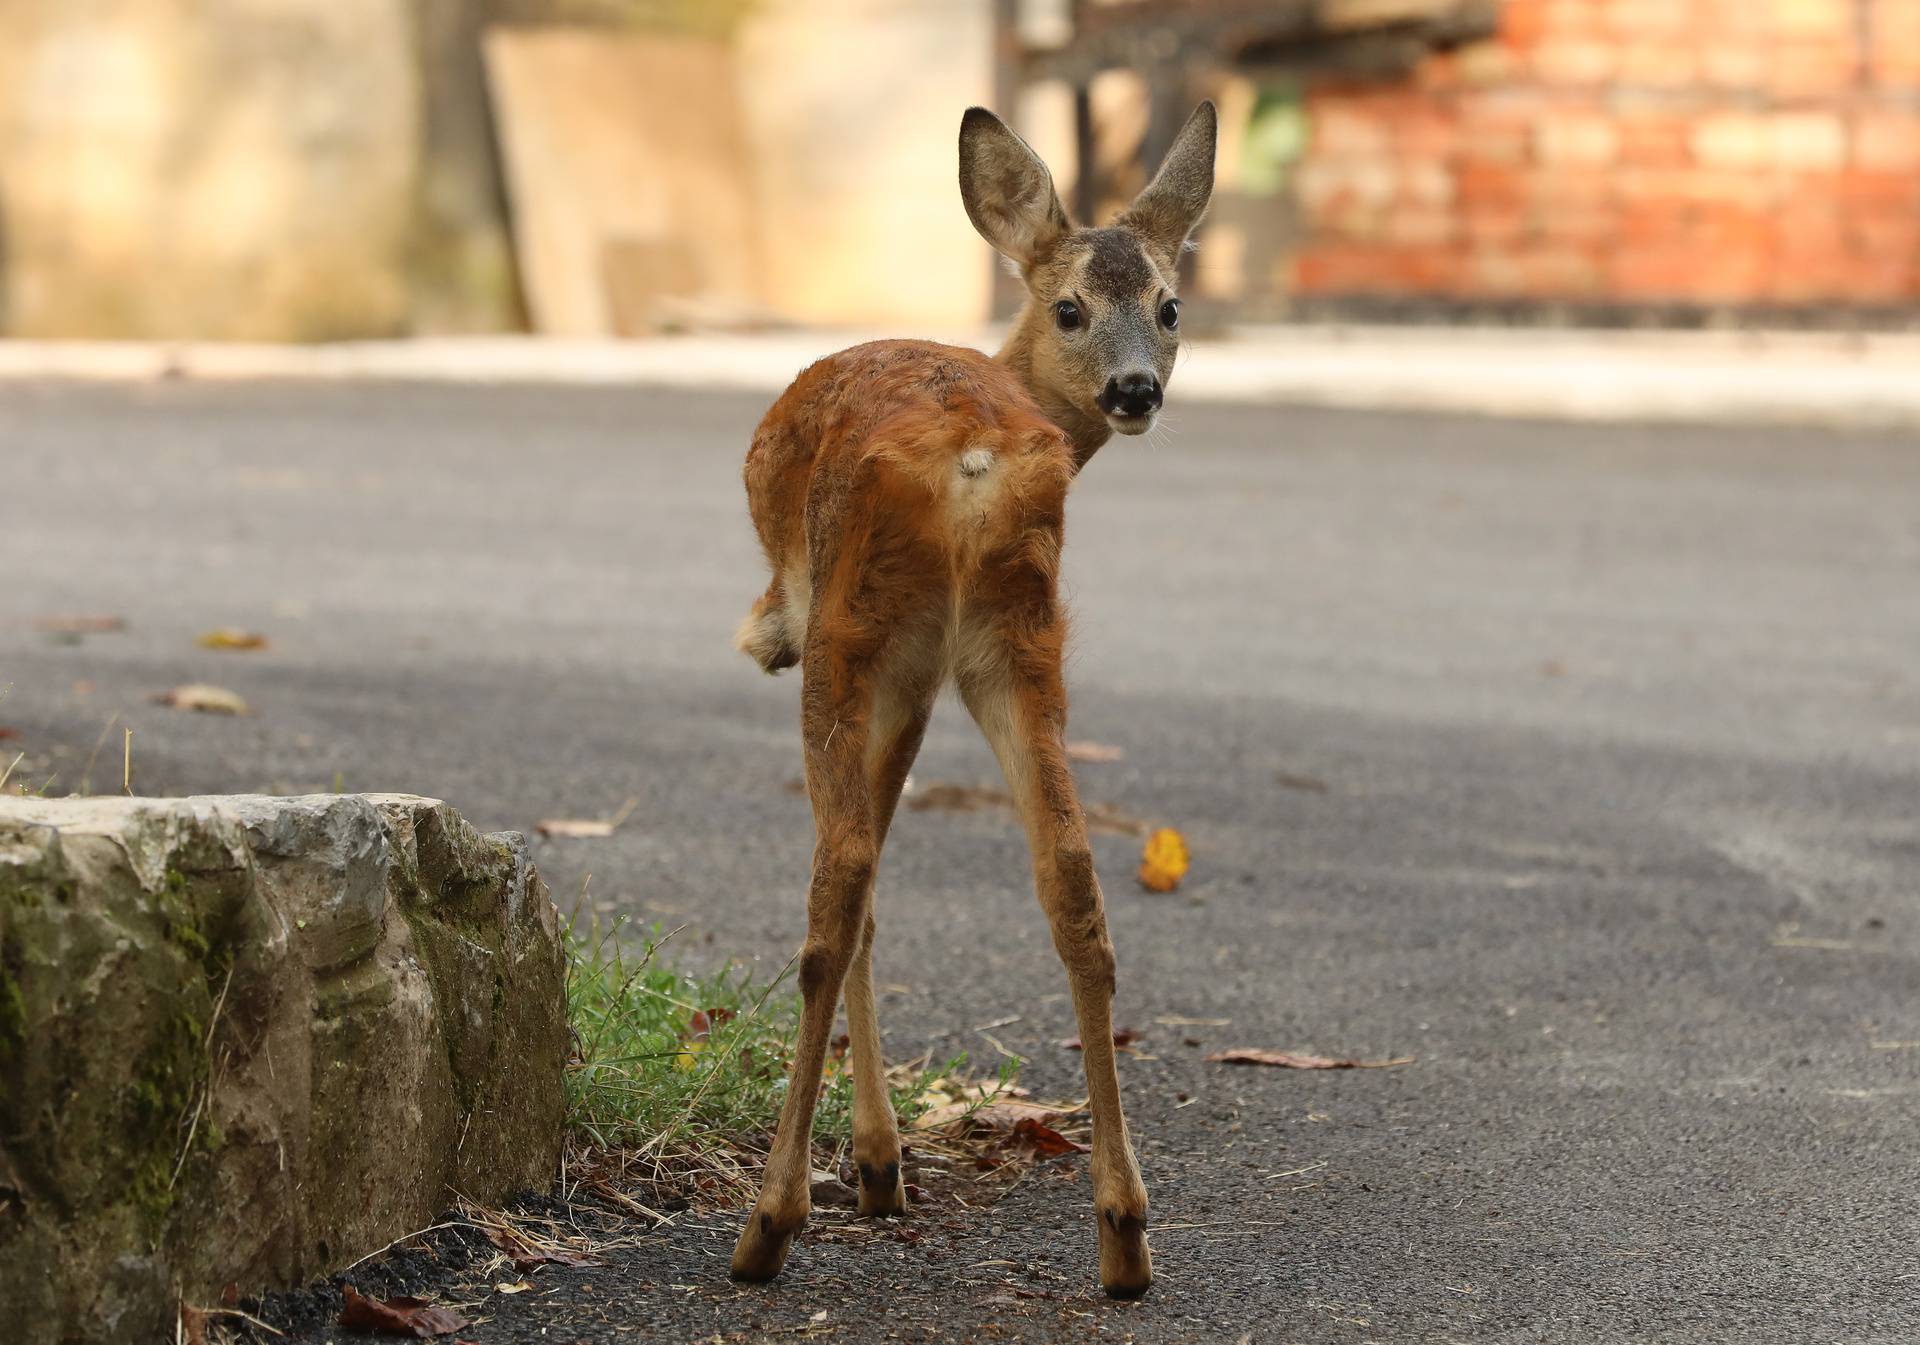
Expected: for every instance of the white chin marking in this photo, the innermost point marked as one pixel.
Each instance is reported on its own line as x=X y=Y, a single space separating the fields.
x=1130 y=424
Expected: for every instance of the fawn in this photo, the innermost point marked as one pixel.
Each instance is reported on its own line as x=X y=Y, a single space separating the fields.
x=909 y=497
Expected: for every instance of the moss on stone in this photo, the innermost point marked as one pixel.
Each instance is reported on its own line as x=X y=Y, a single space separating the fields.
x=160 y=1099
x=13 y=1010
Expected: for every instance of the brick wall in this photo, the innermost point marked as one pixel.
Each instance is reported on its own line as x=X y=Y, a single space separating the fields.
x=1714 y=153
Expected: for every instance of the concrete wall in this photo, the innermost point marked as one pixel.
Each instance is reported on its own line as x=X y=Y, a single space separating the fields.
x=312 y=169
x=852 y=117
x=1688 y=152
x=240 y=169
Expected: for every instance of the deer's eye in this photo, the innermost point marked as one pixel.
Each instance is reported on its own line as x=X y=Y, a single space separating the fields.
x=1067 y=314
x=1170 y=314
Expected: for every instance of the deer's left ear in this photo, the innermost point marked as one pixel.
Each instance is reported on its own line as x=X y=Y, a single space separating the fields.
x=1169 y=208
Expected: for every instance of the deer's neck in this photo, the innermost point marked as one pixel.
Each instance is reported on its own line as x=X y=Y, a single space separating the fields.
x=1088 y=432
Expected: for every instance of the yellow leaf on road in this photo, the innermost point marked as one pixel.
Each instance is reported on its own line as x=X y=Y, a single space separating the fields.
x=206 y=699
x=232 y=637
x=1164 y=861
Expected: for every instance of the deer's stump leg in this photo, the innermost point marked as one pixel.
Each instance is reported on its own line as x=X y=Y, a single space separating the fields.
x=1023 y=716
x=901 y=709
x=844 y=853
x=876 y=1135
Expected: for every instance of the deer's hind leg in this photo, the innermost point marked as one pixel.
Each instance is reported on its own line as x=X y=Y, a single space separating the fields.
x=837 y=713
x=899 y=722
x=861 y=716
x=1015 y=693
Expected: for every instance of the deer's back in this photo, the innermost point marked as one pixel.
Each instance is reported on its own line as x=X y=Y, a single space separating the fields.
x=920 y=454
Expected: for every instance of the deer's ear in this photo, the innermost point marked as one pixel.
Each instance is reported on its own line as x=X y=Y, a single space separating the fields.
x=1008 y=191
x=1169 y=208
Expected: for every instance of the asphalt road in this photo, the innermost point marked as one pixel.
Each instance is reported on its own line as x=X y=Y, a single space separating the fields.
x=1580 y=763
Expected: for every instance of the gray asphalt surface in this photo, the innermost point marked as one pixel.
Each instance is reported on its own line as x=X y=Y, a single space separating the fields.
x=1582 y=764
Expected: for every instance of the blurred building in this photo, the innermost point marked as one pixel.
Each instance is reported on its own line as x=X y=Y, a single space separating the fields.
x=1616 y=154
x=313 y=169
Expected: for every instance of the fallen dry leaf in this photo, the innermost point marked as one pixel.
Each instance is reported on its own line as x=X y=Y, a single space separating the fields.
x=399 y=1316
x=193 y=1325
x=1001 y=1114
x=951 y=798
x=525 y=1255
x=1086 y=751
x=517 y=1287
x=586 y=828
x=1123 y=1037
x=1164 y=861
x=1289 y=1060
x=80 y=625
x=1104 y=817
x=1045 y=1140
x=232 y=637
x=957 y=799
x=206 y=699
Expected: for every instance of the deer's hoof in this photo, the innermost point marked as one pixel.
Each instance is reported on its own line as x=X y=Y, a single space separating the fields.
x=882 y=1189
x=1126 y=1266
x=763 y=1246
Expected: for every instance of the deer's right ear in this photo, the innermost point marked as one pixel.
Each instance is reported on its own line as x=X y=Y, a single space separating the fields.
x=1008 y=191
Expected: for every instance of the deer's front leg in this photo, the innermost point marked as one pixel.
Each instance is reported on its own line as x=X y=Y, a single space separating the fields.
x=844 y=853
x=1023 y=721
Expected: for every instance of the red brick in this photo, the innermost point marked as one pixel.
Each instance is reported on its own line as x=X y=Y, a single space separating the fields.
x=1737 y=140
x=1496 y=226
x=1577 y=139
x=1808 y=140
x=1810 y=226
x=1574 y=61
x=1493 y=133
x=1547 y=271
x=1438 y=72
x=1806 y=70
x=1732 y=18
x=1659 y=65
x=1337 y=128
x=1336 y=268
x=1420 y=224
x=1427 y=134
x=1654 y=186
x=1724 y=227
x=1592 y=225
x=1652 y=274
x=1655 y=139
x=1484 y=184
x=1867 y=189
x=1377 y=269
x=1735 y=65
x=1573 y=18
x=1729 y=276
x=1877 y=280
x=1652 y=224
x=1424 y=183
x=1550 y=190
x=1484 y=64
x=1887 y=141
x=1522 y=23
x=1797 y=20
x=1895 y=234
x=1640 y=18
x=1813 y=275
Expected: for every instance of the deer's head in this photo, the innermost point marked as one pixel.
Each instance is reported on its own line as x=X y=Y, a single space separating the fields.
x=1095 y=341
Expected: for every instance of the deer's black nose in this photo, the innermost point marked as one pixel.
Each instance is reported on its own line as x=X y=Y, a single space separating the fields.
x=1135 y=394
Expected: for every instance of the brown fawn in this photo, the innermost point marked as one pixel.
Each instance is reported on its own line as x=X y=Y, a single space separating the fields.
x=910 y=498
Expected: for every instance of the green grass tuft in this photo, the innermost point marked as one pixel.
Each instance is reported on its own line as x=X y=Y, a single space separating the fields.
x=645 y=1082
